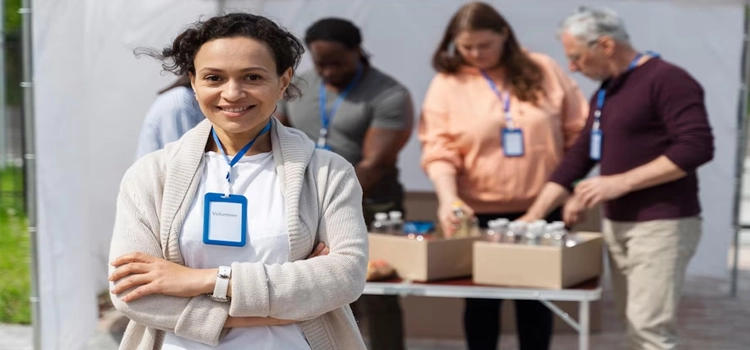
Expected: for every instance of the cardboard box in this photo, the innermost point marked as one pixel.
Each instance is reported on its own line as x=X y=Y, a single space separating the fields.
x=441 y=318
x=425 y=260
x=538 y=266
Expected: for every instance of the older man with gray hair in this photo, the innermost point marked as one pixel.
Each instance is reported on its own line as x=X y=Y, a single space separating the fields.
x=649 y=132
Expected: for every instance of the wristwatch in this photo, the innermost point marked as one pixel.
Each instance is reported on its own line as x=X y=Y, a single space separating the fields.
x=222 y=284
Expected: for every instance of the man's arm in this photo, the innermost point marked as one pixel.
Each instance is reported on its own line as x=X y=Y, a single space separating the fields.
x=379 y=152
x=552 y=196
x=659 y=171
x=680 y=102
x=603 y=188
x=573 y=167
x=681 y=106
x=390 y=130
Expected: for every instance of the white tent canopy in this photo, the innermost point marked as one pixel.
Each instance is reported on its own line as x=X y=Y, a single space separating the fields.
x=91 y=95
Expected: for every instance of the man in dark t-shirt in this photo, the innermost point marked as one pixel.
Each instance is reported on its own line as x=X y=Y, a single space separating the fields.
x=648 y=130
x=357 y=111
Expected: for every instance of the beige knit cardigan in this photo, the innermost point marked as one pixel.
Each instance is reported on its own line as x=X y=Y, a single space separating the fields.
x=323 y=204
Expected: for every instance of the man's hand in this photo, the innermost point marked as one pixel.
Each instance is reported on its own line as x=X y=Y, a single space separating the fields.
x=599 y=189
x=573 y=211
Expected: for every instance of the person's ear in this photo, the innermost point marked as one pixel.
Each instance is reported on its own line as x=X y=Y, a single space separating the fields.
x=286 y=80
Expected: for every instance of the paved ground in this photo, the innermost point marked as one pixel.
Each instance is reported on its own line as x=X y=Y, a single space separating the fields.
x=13 y=337
x=709 y=319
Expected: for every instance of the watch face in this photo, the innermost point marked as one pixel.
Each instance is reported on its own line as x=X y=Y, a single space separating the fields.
x=224 y=272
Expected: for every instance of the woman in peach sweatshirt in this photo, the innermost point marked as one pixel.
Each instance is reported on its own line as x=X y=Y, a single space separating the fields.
x=495 y=123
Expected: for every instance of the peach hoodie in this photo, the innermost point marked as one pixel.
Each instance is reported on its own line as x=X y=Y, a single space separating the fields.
x=460 y=130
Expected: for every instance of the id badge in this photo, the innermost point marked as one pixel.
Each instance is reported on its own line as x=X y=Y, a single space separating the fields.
x=596 y=145
x=512 y=142
x=225 y=220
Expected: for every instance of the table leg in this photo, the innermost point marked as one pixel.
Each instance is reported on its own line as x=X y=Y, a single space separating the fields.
x=583 y=317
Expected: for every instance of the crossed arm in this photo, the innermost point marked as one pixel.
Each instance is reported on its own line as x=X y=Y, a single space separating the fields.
x=146 y=275
x=167 y=296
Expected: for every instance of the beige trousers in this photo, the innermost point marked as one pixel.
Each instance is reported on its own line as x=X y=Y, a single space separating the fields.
x=648 y=262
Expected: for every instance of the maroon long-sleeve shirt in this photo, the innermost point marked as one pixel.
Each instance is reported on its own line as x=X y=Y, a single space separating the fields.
x=656 y=109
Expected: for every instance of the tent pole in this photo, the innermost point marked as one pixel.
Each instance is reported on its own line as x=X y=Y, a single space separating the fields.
x=30 y=167
x=741 y=150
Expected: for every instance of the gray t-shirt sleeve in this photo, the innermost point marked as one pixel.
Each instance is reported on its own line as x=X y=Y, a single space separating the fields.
x=393 y=110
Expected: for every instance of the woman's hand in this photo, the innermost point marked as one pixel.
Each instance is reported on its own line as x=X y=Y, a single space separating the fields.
x=447 y=217
x=320 y=250
x=151 y=275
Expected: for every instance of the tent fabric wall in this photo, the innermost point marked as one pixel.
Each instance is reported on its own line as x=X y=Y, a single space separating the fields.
x=91 y=94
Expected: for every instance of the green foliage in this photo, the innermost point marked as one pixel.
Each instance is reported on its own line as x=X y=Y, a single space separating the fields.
x=12 y=17
x=13 y=68
x=15 y=280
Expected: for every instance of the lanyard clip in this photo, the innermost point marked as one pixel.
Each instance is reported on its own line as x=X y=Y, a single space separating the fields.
x=509 y=121
x=227 y=190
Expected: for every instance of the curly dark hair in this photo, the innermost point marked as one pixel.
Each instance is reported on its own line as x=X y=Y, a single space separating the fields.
x=524 y=75
x=178 y=57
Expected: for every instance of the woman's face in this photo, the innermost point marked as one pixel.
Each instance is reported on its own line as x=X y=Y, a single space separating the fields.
x=480 y=48
x=236 y=84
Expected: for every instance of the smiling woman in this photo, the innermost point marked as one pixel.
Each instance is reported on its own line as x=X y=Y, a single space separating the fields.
x=241 y=232
x=237 y=87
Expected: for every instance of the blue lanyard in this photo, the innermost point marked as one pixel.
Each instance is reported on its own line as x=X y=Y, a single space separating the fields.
x=603 y=91
x=240 y=154
x=503 y=96
x=325 y=115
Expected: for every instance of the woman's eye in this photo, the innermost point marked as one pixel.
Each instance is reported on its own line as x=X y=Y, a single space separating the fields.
x=253 y=77
x=212 y=78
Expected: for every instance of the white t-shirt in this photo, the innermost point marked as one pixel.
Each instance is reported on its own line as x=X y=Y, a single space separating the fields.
x=267 y=242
